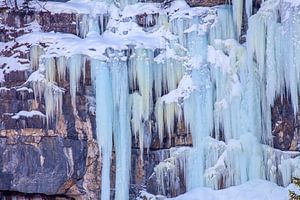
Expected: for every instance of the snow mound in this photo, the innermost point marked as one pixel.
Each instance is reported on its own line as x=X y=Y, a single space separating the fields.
x=24 y=113
x=252 y=190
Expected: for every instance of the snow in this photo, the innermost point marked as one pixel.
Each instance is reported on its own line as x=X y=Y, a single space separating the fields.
x=252 y=190
x=185 y=87
x=24 y=113
x=12 y=63
x=74 y=6
x=293 y=2
x=25 y=89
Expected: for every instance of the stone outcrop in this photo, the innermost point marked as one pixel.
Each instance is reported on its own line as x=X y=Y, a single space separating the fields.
x=206 y=2
x=38 y=160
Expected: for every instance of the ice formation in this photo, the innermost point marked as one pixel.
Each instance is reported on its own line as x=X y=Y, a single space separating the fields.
x=187 y=68
x=237 y=9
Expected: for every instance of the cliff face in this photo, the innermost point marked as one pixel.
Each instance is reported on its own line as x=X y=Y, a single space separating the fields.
x=61 y=160
x=39 y=158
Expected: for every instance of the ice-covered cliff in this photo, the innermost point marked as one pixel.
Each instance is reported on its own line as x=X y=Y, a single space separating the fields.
x=177 y=97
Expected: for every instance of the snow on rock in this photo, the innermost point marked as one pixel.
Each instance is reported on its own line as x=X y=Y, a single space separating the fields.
x=12 y=64
x=183 y=90
x=74 y=6
x=24 y=113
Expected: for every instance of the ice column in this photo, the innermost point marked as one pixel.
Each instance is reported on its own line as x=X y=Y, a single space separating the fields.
x=121 y=127
x=237 y=8
x=112 y=121
x=76 y=66
x=104 y=121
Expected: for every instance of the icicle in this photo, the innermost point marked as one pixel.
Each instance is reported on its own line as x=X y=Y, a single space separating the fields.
x=102 y=23
x=226 y=70
x=76 y=64
x=289 y=168
x=249 y=7
x=158 y=79
x=82 y=27
x=141 y=78
x=237 y=7
x=121 y=127
x=159 y=114
x=104 y=121
x=94 y=24
x=223 y=27
x=61 y=68
x=168 y=172
x=166 y=118
x=50 y=67
x=290 y=49
x=35 y=52
x=53 y=101
x=263 y=41
x=198 y=113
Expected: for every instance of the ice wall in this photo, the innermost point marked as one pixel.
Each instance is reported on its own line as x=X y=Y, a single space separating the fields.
x=235 y=89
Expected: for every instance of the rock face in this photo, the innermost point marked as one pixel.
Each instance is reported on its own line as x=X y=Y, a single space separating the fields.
x=44 y=161
x=285 y=126
x=206 y=2
x=47 y=165
x=38 y=160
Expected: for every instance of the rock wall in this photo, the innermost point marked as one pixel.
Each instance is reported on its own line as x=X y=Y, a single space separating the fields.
x=41 y=160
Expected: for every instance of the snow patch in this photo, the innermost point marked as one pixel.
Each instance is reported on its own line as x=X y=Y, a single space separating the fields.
x=24 y=113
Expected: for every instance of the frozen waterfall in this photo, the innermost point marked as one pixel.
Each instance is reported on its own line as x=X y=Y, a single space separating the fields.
x=189 y=68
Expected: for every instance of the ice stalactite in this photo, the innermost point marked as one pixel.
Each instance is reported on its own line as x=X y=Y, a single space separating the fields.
x=281 y=166
x=249 y=7
x=82 y=25
x=91 y=23
x=49 y=92
x=141 y=82
x=289 y=168
x=121 y=127
x=137 y=124
x=167 y=76
x=104 y=120
x=240 y=161
x=43 y=83
x=61 y=64
x=113 y=123
x=237 y=8
x=229 y=113
x=272 y=51
x=198 y=116
x=50 y=68
x=198 y=108
x=150 y=78
x=170 y=172
x=290 y=48
x=223 y=27
x=167 y=115
x=35 y=52
x=53 y=101
x=76 y=67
